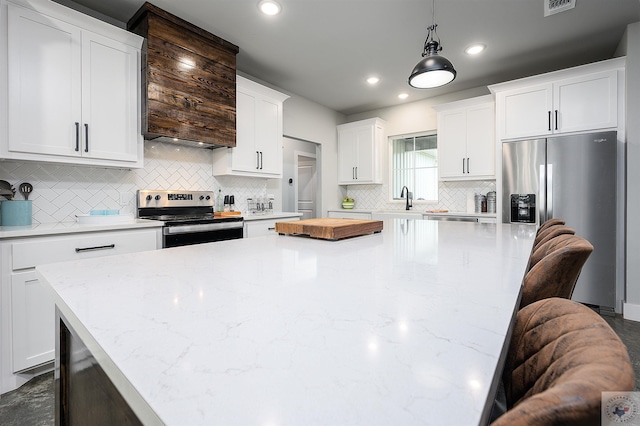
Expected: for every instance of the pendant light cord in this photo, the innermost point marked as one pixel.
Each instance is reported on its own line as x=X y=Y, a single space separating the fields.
x=432 y=43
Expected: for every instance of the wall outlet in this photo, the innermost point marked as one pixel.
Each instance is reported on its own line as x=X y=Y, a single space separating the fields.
x=126 y=198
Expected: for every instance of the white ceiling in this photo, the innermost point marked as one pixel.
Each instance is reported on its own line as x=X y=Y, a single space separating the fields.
x=324 y=49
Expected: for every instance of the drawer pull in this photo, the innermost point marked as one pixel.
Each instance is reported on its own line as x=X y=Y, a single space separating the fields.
x=107 y=247
x=271 y=229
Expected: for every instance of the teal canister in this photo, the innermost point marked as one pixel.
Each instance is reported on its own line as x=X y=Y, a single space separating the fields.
x=15 y=213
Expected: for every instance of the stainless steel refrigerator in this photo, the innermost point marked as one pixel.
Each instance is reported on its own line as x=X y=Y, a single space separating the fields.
x=572 y=178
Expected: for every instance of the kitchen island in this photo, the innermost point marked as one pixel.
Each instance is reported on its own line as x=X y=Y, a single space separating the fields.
x=407 y=326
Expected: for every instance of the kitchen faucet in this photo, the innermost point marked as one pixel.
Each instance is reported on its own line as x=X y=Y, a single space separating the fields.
x=402 y=194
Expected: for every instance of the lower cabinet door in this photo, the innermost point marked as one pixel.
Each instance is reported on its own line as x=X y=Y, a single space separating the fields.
x=33 y=322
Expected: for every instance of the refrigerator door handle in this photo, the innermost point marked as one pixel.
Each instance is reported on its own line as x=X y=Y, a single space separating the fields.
x=541 y=196
x=549 y=191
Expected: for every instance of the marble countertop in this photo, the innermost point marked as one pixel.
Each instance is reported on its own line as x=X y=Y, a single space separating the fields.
x=415 y=210
x=71 y=228
x=407 y=326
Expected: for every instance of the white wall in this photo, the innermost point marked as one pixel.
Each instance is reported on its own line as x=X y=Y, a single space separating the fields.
x=631 y=308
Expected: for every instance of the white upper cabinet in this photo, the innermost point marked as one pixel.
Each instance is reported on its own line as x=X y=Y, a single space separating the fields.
x=73 y=87
x=360 y=148
x=574 y=100
x=258 y=150
x=466 y=139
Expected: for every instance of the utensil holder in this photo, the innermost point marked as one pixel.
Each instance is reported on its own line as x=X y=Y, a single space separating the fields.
x=15 y=213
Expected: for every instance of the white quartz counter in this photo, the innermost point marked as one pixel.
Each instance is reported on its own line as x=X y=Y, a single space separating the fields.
x=403 y=327
x=414 y=211
x=71 y=228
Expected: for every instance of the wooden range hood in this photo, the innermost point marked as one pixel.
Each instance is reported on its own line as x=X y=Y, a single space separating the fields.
x=188 y=81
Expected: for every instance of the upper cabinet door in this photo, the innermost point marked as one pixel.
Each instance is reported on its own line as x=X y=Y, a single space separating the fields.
x=526 y=112
x=481 y=140
x=245 y=155
x=109 y=99
x=347 y=155
x=586 y=102
x=452 y=143
x=44 y=84
x=269 y=135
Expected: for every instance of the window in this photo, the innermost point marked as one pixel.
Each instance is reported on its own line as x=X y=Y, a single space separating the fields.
x=414 y=164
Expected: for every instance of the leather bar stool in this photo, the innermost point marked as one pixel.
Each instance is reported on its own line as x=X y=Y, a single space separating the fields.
x=562 y=356
x=555 y=274
x=549 y=233
x=550 y=222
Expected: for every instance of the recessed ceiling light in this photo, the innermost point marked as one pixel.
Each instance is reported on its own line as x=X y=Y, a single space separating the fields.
x=474 y=49
x=403 y=95
x=373 y=80
x=269 y=7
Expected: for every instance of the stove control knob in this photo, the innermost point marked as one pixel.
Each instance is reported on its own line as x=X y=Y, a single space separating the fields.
x=157 y=197
x=202 y=197
x=148 y=197
x=208 y=197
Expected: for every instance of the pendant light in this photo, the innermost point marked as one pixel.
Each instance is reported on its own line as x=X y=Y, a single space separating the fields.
x=433 y=70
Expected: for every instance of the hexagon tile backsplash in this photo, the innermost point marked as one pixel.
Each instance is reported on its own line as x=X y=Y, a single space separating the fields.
x=60 y=192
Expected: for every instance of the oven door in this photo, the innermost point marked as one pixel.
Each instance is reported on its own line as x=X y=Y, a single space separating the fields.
x=184 y=235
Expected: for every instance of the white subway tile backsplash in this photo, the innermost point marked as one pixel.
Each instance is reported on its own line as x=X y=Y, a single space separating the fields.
x=452 y=196
x=60 y=192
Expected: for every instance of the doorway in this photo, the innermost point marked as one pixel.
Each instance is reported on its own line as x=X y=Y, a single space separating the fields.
x=301 y=180
x=307 y=186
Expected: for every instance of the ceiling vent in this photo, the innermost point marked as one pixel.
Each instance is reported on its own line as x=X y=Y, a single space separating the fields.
x=552 y=7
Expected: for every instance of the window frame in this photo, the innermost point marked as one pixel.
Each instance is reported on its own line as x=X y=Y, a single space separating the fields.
x=390 y=141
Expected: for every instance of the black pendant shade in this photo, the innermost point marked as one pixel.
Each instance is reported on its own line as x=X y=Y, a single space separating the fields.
x=433 y=70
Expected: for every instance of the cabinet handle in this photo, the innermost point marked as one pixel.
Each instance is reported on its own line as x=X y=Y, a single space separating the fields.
x=468 y=166
x=77 y=136
x=257 y=160
x=463 y=166
x=356 y=172
x=271 y=228
x=556 y=119
x=353 y=173
x=86 y=137
x=260 y=160
x=549 y=114
x=107 y=247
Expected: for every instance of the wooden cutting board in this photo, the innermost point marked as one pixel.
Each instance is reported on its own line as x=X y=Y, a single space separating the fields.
x=329 y=228
x=226 y=214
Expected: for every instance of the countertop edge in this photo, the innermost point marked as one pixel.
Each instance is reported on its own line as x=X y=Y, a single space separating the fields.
x=278 y=215
x=137 y=403
x=61 y=228
x=423 y=212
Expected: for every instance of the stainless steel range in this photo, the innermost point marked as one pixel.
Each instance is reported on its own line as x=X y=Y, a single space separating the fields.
x=188 y=217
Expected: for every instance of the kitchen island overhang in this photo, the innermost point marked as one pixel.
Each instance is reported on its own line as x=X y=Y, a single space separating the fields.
x=385 y=328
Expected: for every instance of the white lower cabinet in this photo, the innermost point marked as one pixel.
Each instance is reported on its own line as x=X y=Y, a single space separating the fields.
x=31 y=306
x=262 y=227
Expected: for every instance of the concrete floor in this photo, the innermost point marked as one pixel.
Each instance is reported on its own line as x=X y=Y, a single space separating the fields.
x=33 y=403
